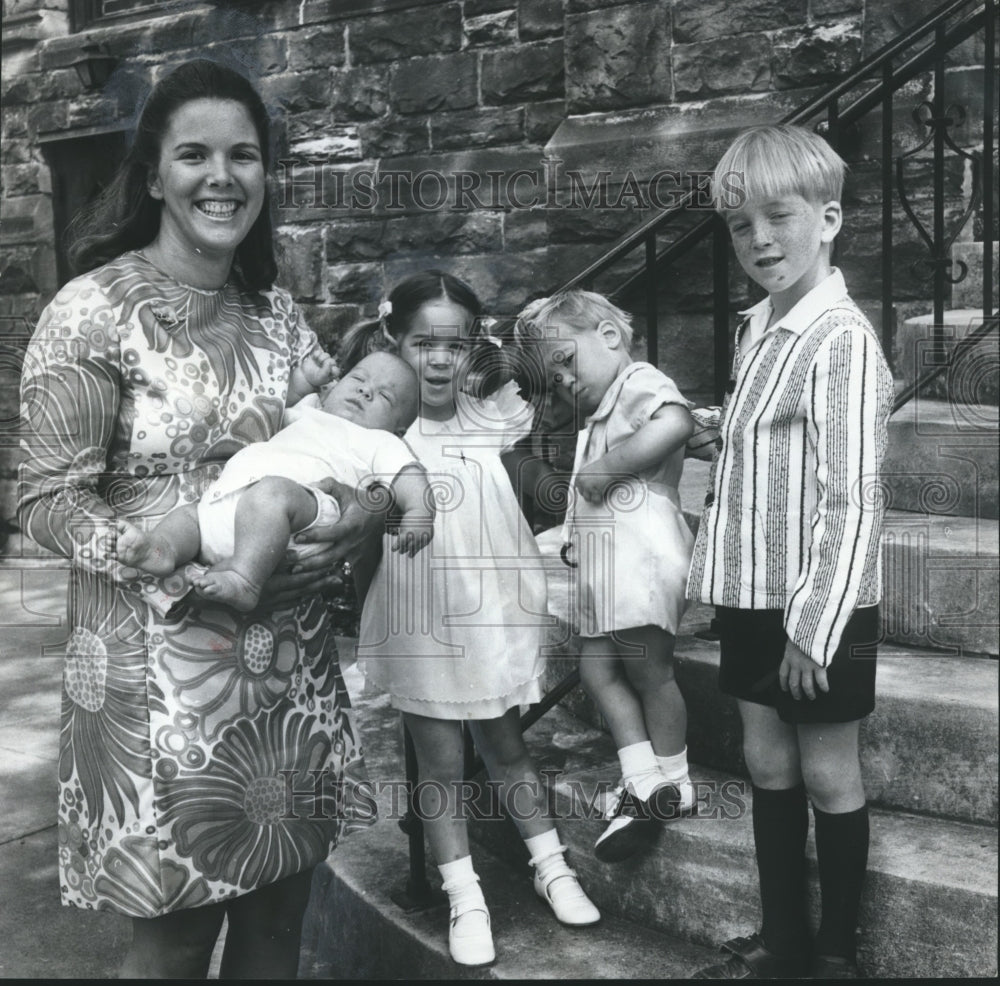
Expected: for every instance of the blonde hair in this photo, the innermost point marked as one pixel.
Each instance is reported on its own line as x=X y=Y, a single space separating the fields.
x=582 y=311
x=770 y=162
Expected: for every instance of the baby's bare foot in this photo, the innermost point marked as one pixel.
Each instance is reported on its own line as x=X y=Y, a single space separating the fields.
x=147 y=552
x=224 y=585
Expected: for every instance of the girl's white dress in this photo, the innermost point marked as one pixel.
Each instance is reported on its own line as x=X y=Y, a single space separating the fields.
x=457 y=631
x=631 y=551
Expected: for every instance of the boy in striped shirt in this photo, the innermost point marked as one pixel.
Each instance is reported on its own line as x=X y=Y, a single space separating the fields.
x=789 y=546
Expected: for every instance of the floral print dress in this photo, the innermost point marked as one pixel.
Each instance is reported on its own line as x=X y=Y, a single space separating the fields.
x=203 y=753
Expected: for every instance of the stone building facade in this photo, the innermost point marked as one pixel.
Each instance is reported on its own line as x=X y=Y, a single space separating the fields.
x=508 y=141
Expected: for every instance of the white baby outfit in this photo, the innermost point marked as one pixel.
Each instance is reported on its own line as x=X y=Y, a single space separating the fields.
x=313 y=446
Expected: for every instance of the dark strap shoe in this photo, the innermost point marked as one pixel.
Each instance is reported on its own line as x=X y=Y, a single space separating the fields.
x=750 y=958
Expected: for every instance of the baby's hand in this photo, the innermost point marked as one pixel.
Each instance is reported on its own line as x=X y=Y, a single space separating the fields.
x=414 y=533
x=318 y=367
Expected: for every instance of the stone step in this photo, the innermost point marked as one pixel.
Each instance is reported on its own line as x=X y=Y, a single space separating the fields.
x=942 y=458
x=940 y=574
x=930 y=747
x=930 y=903
x=972 y=377
x=355 y=930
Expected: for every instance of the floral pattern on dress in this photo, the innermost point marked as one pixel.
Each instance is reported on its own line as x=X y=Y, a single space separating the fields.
x=262 y=808
x=179 y=725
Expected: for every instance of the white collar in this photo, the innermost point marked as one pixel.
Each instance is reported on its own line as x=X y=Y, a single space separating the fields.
x=826 y=295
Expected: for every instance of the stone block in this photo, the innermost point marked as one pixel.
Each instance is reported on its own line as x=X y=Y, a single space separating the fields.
x=261 y=56
x=541 y=120
x=26 y=219
x=941 y=587
x=442 y=233
x=25 y=179
x=300 y=255
x=14 y=150
x=335 y=144
x=823 y=54
x=330 y=322
x=942 y=459
x=313 y=46
x=618 y=57
x=972 y=377
x=491 y=29
x=360 y=93
x=357 y=283
x=87 y=111
x=525 y=229
x=475 y=8
x=485 y=127
x=394 y=136
x=540 y=19
x=296 y=92
x=525 y=73
x=41 y=87
x=427 y=85
x=740 y=64
x=821 y=9
x=705 y=20
x=382 y=37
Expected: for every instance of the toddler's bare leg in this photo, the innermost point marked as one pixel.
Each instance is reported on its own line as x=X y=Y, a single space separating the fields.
x=648 y=659
x=267 y=515
x=174 y=541
x=603 y=675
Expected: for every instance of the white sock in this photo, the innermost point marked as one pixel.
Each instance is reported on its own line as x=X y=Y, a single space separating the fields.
x=461 y=885
x=675 y=770
x=546 y=853
x=640 y=771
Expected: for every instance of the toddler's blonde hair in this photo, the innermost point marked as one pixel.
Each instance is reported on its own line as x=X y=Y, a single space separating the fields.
x=582 y=311
x=769 y=162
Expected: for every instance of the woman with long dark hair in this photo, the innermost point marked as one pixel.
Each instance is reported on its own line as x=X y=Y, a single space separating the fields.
x=204 y=752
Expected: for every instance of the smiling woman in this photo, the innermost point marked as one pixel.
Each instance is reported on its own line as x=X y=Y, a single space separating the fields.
x=184 y=721
x=210 y=179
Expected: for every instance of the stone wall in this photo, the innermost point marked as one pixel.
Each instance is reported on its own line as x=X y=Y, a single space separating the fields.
x=412 y=132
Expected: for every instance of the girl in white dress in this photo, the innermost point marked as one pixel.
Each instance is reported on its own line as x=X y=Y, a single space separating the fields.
x=629 y=548
x=456 y=635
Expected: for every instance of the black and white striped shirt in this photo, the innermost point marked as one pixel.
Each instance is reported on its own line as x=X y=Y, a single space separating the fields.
x=793 y=515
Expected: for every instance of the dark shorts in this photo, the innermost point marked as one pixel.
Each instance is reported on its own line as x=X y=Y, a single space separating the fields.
x=753 y=646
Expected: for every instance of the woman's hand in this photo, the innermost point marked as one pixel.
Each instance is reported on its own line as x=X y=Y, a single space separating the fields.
x=315 y=564
x=799 y=673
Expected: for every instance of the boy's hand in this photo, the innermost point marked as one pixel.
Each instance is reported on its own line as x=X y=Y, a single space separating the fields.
x=413 y=533
x=799 y=673
x=593 y=481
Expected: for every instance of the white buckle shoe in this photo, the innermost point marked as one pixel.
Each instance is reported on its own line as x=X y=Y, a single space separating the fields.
x=470 y=939
x=561 y=890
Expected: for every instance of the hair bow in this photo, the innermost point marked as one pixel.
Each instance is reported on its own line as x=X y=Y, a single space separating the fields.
x=384 y=309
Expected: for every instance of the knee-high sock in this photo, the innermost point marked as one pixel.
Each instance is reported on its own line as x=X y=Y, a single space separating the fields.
x=780 y=826
x=842 y=853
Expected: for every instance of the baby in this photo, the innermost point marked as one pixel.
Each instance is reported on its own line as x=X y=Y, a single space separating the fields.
x=242 y=525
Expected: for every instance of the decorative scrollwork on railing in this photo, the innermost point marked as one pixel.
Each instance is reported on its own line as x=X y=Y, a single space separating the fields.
x=924 y=116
